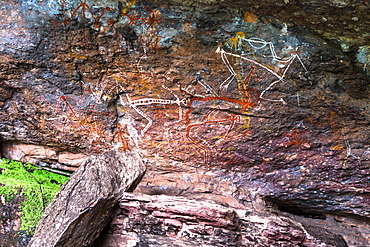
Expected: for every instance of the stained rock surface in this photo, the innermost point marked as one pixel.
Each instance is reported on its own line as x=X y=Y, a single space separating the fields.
x=237 y=102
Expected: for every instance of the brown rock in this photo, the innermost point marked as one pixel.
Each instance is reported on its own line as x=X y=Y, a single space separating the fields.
x=71 y=159
x=28 y=152
x=250 y=123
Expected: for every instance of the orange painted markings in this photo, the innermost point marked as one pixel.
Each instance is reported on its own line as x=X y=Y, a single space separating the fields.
x=250 y=17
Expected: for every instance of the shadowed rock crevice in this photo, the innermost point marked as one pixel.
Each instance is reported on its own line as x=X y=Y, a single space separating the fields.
x=293 y=207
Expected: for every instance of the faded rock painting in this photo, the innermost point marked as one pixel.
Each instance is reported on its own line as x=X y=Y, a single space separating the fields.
x=268 y=102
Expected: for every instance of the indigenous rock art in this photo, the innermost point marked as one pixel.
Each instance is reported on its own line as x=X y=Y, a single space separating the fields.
x=267 y=100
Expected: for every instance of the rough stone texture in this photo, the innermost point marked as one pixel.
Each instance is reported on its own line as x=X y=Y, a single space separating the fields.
x=161 y=220
x=342 y=22
x=38 y=154
x=10 y=214
x=88 y=200
x=234 y=126
x=203 y=185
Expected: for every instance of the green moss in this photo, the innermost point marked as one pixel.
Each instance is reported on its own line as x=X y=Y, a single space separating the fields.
x=35 y=185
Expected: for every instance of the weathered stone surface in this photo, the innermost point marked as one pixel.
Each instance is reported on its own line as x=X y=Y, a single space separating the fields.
x=38 y=154
x=10 y=214
x=86 y=203
x=239 y=124
x=162 y=220
x=342 y=22
x=202 y=184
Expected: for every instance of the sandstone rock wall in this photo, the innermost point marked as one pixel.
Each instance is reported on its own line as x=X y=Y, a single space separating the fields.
x=230 y=100
x=177 y=221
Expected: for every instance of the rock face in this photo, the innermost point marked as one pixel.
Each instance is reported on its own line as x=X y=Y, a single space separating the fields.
x=85 y=204
x=178 y=221
x=233 y=101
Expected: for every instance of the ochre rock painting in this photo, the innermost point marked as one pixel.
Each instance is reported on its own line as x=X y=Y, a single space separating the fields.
x=128 y=98
x=233 y=102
